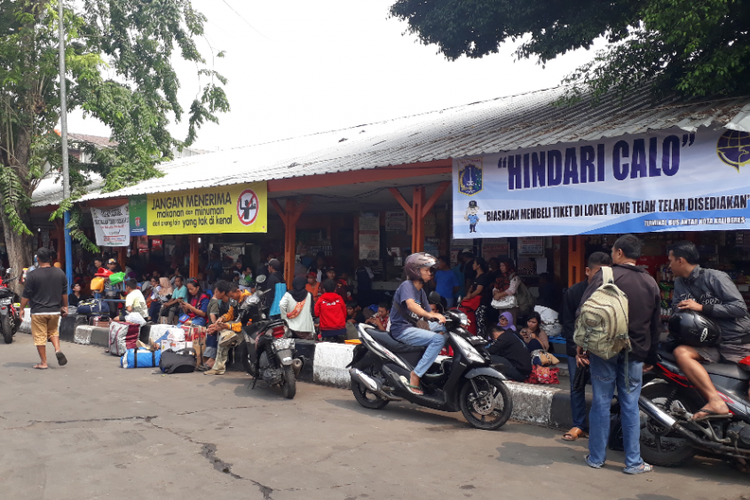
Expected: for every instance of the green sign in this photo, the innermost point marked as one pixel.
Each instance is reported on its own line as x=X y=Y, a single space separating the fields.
x=138 y=215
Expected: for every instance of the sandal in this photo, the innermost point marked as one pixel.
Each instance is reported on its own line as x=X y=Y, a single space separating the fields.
x=708 y=414
x=574 y=433
x=39 y=367
x=414 y=389
x=640 y=469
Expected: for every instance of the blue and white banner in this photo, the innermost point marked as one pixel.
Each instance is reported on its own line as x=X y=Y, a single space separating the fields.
x=668 y=180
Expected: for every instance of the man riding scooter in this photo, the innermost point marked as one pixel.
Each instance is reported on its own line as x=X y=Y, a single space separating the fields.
x=712 y=294
x=410 y=299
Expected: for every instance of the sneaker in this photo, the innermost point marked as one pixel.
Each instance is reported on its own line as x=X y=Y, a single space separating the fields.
x=229 y=339
x=638 y=469
x=213 y=372
x=592 y=464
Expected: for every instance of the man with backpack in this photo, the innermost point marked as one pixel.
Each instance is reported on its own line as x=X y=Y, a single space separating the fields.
x=618 y=328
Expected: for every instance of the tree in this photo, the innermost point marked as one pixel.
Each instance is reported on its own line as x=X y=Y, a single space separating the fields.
x=674 y=46
x=119 y=70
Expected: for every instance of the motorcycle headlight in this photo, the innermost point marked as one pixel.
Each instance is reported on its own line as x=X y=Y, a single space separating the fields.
x=471 y=353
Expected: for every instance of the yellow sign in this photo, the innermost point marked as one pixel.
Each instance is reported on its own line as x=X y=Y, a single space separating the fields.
x=228 y=209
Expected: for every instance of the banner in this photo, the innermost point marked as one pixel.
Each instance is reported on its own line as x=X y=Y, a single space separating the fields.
x=662 y=181
x=138 y=206
x=227 y=209
x=112 y=226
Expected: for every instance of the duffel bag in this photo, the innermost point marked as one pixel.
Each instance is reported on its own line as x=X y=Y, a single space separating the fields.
x=182 y=361
x=93 y=307
x=122 y=336
x=140 y=358
x=158 y=332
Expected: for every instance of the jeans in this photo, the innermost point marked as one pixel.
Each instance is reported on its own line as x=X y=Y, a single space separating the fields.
x=605 y=376
x=577 y=398
x=419 y=337
x=449 y=302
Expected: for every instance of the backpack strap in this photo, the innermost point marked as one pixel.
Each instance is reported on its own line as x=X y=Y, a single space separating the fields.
x=607 y=275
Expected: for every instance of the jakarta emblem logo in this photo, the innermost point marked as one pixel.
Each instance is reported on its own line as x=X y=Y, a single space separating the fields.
x=247 y=207
x=470 y=177
x=733 y=148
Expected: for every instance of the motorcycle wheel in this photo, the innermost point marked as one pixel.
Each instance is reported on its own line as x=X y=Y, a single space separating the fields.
x=242 y=352
x=367 y=398
x=289 y=389
x=7 y=331
x=476 y=407
x=656 y=448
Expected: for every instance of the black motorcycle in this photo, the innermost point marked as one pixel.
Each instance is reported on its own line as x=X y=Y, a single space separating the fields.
x=465 y=382
x=10 y=315
x=668 y=401
x=268 y=352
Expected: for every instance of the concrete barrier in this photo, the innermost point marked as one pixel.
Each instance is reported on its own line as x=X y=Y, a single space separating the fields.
x=325 y=364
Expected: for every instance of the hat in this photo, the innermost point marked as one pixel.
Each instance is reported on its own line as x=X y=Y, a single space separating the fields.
x=275 y=264
x=103 y=273
x=112 y=261
x=312 y=274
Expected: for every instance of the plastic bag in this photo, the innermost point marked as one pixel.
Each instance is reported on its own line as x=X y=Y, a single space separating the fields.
x=583 y=377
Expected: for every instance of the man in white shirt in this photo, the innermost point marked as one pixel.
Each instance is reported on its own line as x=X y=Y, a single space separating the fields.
x=135 y=302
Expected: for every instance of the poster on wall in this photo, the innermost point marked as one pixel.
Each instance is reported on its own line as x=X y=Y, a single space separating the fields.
x=112 y=226
x=138 y=207
x=369 y=246
x=669 y=180
x=238 y=208
x=395 y=221
x=369 y=221
x=531 y=246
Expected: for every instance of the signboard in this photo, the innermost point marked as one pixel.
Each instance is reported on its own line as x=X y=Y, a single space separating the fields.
x=369 y=221
x=112 y=226
x=532 y=246
x=395 y=221
x=669 y=180
x=369 y=246
x=138 y=206
x=226 y=209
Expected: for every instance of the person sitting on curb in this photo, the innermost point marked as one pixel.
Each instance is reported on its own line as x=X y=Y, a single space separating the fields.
x=228 y=327
x=509 y=353
x=135 y=303
x=296 y=310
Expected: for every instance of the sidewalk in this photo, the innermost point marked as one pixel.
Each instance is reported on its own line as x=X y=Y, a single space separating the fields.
x=325 y=364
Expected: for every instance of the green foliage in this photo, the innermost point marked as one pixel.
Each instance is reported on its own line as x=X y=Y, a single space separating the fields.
x=691 y=48
x=119 y=69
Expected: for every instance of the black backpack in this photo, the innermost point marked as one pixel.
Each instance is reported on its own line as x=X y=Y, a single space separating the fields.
x=182 y=361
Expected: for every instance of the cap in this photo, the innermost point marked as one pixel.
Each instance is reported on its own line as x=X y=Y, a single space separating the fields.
x=312 y=274
x=112 y=261
x=274 y=263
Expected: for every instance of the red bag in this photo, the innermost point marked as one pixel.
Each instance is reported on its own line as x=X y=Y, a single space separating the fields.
x=122 y=337
x=543 y=375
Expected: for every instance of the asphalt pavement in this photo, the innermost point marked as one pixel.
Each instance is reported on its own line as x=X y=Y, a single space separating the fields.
x=91 y=430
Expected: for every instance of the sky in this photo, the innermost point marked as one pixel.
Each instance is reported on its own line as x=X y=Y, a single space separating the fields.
x=297 y=67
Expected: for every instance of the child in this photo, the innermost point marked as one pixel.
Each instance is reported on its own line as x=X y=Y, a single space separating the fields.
x=313 y=286
x=380 y=318
x=332 y=313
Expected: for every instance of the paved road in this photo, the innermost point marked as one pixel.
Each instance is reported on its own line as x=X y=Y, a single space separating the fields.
x=91 y=430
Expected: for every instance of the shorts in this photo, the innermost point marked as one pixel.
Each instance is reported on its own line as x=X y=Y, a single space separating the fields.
x=210 y=352
x=44 y=327
x=732 y=353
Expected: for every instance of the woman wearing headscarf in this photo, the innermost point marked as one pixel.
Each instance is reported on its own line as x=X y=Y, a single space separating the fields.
x=296 y=309
x=506 y=322
x=504 y=292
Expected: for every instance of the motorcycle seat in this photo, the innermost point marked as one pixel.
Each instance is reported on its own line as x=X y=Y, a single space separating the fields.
x=393 y=345
x=730 y=370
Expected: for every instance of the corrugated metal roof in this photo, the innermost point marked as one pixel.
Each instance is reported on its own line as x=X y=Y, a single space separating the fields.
x=50 y=190
x=502 y=124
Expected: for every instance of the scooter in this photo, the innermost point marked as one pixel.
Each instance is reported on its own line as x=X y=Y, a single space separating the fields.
x=269 y=353
x=669 y=436
x=381 y=366
x=10 y=314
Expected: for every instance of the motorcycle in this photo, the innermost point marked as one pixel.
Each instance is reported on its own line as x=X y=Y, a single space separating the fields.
x=668 y=401
x=381 y=366
x=10 y=313
x=269 y=349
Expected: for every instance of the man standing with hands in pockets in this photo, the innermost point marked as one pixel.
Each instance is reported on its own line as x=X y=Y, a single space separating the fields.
x=46 y=289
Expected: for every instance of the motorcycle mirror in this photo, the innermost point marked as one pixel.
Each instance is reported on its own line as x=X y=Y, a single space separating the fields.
x=260 y=279
x=434 y=298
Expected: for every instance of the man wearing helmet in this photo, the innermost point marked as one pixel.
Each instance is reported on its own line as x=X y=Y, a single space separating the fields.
x=409 y=305
x=712 y=294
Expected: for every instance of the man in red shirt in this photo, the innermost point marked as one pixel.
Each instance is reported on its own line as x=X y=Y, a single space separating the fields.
x=331 y=310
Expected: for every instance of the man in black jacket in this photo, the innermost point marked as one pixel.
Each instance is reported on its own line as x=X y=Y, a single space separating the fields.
x=570 y=304
x=275 y=277
x=624 y=371
x=713 y=294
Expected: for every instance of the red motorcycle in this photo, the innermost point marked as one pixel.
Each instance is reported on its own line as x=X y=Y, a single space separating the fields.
x=10 y=316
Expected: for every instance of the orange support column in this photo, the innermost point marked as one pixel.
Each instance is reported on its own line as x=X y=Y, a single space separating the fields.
x=193 y=256
x=418 y=210
x=290 y=214
x=576 y=260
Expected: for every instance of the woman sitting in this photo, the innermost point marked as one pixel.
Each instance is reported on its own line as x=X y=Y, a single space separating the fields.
x=533 y=334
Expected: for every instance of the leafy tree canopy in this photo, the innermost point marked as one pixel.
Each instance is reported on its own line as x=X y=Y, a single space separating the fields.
x=119 y=69
x=692 y=48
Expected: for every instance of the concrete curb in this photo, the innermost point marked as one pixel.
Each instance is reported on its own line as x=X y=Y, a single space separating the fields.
x=325 y=364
